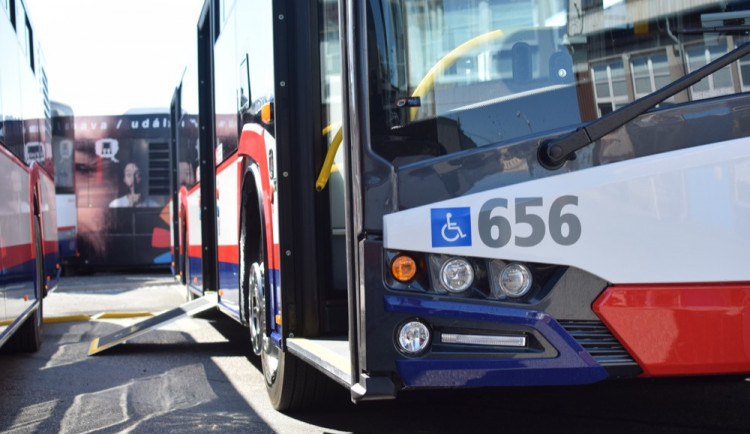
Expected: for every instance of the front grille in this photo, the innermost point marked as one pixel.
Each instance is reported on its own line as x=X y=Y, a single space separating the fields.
x=595 y=338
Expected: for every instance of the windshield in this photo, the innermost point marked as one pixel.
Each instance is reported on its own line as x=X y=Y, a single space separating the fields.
x=449 y=75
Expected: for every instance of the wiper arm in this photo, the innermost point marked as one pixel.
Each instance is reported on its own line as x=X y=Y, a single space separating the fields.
x=554 y=153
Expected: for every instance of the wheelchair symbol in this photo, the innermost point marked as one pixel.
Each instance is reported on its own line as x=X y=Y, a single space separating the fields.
x=450 y=227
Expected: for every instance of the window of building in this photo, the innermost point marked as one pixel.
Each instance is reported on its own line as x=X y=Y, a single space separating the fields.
x=609 y=85
x=716 y=84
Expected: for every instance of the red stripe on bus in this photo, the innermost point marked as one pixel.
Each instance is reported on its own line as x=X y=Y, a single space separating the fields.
x=51 y=246
x=229 y=253
x=14 y=256
x=681 y=329
x=194 y=251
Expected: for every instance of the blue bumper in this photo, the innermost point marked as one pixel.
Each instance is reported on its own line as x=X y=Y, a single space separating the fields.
x=568 y=364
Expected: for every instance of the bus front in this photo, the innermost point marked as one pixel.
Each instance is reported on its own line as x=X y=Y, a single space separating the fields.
x=483 y=263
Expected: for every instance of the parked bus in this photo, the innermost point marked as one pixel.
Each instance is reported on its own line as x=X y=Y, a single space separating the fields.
x=63 y=140
x=404 y=194
x=113 y=186
x=28 y=228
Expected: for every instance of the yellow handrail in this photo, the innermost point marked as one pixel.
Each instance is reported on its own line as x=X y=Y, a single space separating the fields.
x=447 y=60
x=422 y=88
x=325 y=171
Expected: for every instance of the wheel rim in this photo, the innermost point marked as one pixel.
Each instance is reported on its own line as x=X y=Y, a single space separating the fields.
x=270 y=360
x=257 y=322
x=262 y=343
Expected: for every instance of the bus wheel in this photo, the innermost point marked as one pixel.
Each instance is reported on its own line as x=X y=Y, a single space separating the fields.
x=256 y=310
x=28 y=338
x=31 y=332
x=291 y=383
x=270 y=354
x=285 y=382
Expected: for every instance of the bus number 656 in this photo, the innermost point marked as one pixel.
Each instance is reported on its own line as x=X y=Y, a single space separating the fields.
x=496 y=230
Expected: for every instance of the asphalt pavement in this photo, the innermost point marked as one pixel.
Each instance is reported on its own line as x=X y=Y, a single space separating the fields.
x=112 y=295
x=198 y=374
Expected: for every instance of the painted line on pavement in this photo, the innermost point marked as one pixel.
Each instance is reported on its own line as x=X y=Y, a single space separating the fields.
x=98 y=316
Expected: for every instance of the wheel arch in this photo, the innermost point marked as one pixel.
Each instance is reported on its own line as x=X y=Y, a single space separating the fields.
x=252 y=225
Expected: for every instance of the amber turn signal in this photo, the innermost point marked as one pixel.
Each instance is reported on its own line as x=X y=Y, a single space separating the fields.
x=266 y=113
x=403 y=268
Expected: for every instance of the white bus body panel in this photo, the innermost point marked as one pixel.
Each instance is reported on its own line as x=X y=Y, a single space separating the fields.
x=681 y=216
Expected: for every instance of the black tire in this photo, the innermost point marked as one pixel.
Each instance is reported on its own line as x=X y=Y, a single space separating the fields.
x=291 y=384
x=252 y=275
x=28 y=338
x=184 y=263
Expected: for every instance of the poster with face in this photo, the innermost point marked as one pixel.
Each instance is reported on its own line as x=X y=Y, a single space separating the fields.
x=122 y=187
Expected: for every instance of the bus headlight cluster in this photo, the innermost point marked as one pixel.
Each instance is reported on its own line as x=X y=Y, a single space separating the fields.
x=470 y=277
x=510 y=280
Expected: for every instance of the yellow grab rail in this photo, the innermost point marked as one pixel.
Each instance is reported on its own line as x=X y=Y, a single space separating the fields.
x=424 y=85
x=325 y=171
x=448 y=60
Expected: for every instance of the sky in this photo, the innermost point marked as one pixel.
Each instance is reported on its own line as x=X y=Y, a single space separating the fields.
x=106 y=57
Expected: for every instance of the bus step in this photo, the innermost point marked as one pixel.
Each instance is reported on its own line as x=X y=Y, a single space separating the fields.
x=330 y=355
x=208 y=301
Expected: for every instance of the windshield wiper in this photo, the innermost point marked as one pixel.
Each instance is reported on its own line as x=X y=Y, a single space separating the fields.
x=552 y=154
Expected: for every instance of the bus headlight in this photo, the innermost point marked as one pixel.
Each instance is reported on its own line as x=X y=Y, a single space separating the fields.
x=413 y=337
x=456 y=275
x=514 y=280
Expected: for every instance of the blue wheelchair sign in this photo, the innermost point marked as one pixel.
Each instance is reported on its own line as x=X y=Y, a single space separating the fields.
x=451 y=227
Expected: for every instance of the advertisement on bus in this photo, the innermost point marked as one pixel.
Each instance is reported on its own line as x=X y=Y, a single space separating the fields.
x=121 y=179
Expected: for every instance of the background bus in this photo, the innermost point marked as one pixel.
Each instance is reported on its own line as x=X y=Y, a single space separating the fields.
x=63 y=137
x=118 y=178
x=28 y=229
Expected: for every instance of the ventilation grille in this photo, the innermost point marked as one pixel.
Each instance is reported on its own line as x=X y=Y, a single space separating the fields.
x=595 y=338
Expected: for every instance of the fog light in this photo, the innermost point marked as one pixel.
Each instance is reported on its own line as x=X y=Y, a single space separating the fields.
x=515 y=280
x=413 y=337
x=457 y=275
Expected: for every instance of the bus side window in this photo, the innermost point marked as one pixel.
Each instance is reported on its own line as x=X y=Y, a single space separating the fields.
x=244 y=95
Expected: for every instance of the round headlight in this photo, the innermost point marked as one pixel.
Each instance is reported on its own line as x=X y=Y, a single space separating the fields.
x=515 y=280
x=413 y=337
x=457 y=275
